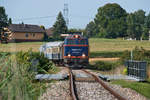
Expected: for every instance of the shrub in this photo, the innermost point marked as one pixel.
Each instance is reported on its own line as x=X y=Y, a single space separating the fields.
x=139 y=53
x=35 y=61
x=105 y=66
x=125 y=71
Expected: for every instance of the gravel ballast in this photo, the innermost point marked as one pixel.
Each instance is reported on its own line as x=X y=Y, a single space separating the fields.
x=92 y=91
x=57 y=91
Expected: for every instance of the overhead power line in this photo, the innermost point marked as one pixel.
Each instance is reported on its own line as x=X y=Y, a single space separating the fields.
x=33 y=18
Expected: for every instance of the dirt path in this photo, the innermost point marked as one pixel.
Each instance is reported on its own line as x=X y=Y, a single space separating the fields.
x=103 y=59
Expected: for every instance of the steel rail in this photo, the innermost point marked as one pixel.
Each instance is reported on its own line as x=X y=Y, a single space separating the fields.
x=118 y=96
x=72 y=86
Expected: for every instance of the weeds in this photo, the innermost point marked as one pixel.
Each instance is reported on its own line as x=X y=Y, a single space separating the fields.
x=16 y=78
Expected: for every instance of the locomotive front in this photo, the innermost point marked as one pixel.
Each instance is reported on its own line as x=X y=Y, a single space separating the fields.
x=76 y=51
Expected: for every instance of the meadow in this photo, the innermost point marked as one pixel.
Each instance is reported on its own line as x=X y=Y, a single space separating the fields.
x=96 y=45
x=98 y=48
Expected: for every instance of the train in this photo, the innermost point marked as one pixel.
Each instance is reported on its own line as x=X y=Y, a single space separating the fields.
x=72 y=52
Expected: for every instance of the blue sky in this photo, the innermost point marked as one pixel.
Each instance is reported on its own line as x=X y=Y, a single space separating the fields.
x=81 y=12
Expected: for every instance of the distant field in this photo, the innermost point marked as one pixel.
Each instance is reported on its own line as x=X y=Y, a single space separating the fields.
x=113 y=45
x=25 y=46
x=96 y=45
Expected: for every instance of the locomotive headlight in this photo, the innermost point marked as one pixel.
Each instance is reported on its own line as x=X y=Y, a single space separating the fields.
x=76 y=36
x=83 y=55
x=69 y=55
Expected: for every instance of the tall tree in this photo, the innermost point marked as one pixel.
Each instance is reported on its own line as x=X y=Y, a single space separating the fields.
x=135 y=22
x=3 y=19
x=111 y=21
x=9 y=21
x=147 y=21
x=146 y=28
x=131 y=25
x=59 y=27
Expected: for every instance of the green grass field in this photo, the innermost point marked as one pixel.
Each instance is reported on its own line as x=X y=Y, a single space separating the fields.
x=115 y=45
x=96 y=45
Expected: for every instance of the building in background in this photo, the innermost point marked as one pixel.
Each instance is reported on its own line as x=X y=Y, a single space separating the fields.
x=24 y=33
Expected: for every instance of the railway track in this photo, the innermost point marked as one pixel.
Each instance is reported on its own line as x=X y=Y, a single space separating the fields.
x=99 y=88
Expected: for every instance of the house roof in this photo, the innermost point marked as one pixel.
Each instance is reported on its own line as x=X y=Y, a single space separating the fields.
x=25 y=28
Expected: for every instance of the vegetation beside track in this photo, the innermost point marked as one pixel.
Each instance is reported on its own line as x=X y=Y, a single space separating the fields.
x=141 y=87
x=103 y=54
x=17 y=75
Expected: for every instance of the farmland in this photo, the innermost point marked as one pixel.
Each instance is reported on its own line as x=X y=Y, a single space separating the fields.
x=96 y=45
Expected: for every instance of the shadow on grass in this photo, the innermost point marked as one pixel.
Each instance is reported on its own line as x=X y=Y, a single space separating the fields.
x=105 y=54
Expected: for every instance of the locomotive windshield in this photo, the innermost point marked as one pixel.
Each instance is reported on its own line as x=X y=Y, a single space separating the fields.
x=76 y=42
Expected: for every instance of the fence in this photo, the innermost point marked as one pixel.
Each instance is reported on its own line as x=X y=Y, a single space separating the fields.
x=137 y=69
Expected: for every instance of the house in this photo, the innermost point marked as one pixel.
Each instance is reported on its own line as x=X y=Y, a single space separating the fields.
x=24 y=33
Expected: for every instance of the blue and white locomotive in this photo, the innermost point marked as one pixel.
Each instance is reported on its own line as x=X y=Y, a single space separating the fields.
x=72 y=52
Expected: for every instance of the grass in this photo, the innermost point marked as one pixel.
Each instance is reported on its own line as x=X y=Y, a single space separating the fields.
x=142 y=88
x=115 y=45
x=17 y=82
x=24 y=46
x=97 y=45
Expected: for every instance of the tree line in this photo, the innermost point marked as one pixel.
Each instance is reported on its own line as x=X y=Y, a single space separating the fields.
x=112 y=21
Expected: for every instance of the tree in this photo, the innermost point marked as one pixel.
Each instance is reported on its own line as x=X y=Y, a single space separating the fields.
x=111 y=21
x=9 y=21
x=90 y=29
x=45 y=38
x=3 y=19
x=147 y=21
x=146 y=28
x=59 y=27
x=135 y=22
x=131 y=26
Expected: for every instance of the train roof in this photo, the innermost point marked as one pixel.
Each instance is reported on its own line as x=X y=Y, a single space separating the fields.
x=51 y=45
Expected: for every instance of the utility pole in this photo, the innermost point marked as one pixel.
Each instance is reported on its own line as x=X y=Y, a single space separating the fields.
x=65 y=13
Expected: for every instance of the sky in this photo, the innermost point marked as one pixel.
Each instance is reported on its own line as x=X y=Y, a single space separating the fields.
x=81 y=12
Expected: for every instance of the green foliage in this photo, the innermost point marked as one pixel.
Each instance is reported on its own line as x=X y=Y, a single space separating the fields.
x=59 y=27
x=90 y=29
x=111 y=21
x=9 y=21
x=139 y=53
x=135 y=22
x=3 y=18
x=125 y=71
x=105 y=54
x=142 y=88
x=16 y=82
x=35 y=61
x=105 y=66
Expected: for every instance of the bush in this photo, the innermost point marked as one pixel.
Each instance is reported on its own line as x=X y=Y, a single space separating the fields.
x=125 y=71
x=105 y=66
x=139 y=53
x=35 y=61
